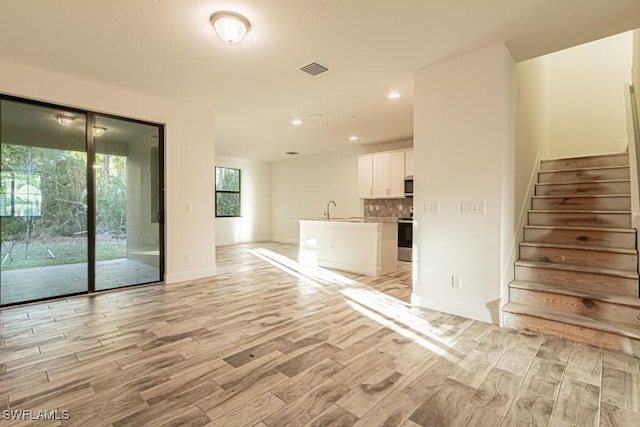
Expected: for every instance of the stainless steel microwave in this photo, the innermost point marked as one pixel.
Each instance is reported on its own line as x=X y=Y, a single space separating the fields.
x=408 y=186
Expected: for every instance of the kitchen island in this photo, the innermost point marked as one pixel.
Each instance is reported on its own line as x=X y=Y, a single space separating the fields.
x=366 y=246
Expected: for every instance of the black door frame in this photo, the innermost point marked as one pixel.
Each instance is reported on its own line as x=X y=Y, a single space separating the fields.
x=91 y=199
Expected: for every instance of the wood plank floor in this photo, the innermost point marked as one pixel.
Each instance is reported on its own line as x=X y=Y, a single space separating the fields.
x=267 y=344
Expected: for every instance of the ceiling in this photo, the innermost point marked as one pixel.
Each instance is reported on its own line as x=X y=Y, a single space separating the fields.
x=168 y=48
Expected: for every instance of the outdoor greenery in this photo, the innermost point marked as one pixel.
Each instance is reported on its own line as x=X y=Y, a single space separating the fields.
x=69 y=250
x=227 y=192
x=63 y=201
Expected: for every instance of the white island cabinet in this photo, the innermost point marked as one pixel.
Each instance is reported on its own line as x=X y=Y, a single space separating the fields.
x=361 y=246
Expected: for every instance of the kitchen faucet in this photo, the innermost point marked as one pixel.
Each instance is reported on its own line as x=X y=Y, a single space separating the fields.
x=326 y=213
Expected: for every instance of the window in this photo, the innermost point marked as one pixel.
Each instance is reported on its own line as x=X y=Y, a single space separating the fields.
x=227 y=192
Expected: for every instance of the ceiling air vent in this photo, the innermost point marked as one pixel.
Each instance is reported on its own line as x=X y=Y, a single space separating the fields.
x=292 y=153
x=314 y=69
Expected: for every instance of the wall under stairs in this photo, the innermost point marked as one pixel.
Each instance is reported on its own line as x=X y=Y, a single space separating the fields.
x=577 y=273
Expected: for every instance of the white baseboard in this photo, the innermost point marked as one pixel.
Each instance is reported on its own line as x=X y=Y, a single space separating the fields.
x=482 y=314
x=184 y=276
x=352 y=268
x=285 y=240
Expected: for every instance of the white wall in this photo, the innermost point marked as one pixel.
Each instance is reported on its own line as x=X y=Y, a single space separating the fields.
x=301 y=188
x=190 y=156
x=255 y=223
x=463 y=145
x=532 y=130
x=587 y=109
x=636 y=68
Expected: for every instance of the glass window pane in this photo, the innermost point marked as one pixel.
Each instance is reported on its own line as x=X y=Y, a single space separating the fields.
x=128 y=208
x=227 y=204
x=227 y=179
x=43 y=202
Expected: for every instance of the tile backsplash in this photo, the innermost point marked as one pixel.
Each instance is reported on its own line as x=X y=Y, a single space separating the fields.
x=388 y=207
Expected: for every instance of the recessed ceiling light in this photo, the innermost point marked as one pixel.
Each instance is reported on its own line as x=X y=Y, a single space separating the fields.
x=393 y=95
x=65 y=120
x=296 y=122
x=353 y=138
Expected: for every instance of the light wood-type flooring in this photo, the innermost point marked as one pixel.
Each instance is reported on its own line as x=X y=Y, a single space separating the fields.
x=268 y=344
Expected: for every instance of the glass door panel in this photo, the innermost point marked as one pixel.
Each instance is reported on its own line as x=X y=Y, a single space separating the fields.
x=128 y=203
x=43 y=202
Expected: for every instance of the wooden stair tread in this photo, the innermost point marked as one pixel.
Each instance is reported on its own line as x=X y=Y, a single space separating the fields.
x=600 y=296
x=579 y=268
x=581 y=195
x=585 y=156
x=596 y=181
x=577 y=211
x=579 y=247
x=588 y=168
x=622 y=329
x=581 y=228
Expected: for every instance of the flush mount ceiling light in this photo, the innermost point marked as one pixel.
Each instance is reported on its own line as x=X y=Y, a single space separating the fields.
x=353 y=138
x=98 y=131
x=393 y=95
x=296 y=122
x=65 y=120
x=230 y=26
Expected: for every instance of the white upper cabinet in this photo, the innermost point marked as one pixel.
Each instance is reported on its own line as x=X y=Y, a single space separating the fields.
x=396 y=175
x=365 y=177
x=388 y=172
x=408 y=163
x=381 y=173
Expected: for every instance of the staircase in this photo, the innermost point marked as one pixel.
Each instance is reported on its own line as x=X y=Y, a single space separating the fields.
x=577 y=274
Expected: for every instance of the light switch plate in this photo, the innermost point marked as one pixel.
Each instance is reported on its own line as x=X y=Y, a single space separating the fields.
x=432 y=206
x=473 y=207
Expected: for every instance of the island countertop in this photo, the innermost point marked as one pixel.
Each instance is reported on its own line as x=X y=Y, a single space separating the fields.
x=369 y=219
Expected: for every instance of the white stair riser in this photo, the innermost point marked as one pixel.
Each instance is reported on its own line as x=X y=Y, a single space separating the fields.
x=583 y=188
x=584 y=175
x=595 y=309
x=585 y=335
x=586 y=162
x=589 y=203
x=578 y=280
x=587 y=258
x=581 y=237
x=580 y=219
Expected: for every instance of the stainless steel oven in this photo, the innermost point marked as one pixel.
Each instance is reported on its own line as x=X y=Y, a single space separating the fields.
x=405 y=238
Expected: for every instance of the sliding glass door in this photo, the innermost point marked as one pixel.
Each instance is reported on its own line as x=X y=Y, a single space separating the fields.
x=81 y=200
x=128 y=214
x=43 y=202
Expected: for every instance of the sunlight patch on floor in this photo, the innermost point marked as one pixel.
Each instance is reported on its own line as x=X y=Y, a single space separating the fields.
x=378 y=306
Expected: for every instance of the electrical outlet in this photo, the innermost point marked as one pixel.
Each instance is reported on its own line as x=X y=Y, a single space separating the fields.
x=456 y=282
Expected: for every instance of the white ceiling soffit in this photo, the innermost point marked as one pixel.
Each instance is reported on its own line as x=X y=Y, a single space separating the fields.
x=168 y=48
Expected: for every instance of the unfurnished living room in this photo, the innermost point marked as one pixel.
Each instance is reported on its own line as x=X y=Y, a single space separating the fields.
x=336 y=213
